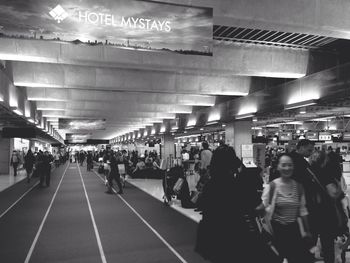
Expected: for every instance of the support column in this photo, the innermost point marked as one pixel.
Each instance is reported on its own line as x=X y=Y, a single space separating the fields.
x=238 y=133
x=5 y=153
x=168 y=146
x=31 y=145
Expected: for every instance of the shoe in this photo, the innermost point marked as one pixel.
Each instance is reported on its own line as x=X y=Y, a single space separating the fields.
x=120 y=192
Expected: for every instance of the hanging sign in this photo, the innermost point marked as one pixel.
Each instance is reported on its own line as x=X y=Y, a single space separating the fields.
x=128 y=24
x=81 y=124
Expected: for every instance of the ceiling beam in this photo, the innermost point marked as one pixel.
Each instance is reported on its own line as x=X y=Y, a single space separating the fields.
x=235 y=59
x=69 y=95
x=65 y=76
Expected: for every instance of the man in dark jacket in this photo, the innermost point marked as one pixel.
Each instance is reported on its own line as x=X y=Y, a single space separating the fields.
x=29 y=161
x=114 y=174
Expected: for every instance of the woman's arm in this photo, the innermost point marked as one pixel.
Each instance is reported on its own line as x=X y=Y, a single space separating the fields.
x=304 y=215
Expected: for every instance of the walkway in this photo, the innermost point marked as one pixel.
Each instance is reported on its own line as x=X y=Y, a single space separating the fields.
x=74 y=220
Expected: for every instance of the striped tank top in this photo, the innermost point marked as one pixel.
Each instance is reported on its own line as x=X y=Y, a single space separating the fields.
x=287 y=206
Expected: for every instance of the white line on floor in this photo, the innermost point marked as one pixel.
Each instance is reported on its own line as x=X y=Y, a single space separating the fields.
x=21 y=197
x=99 y=243
x=30 y=252
x=148 y=225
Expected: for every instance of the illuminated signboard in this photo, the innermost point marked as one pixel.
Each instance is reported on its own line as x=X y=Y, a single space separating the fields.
x=312 y=136
x=285 y=136
x=324 y=136
x=81 y=124
x=125 y=24
x=77 y=138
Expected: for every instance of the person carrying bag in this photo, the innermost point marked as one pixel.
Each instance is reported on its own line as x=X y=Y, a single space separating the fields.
x=286 y=214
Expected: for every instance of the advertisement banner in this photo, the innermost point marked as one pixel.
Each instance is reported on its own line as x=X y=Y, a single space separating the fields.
x=127 y=24
x=77 y=138
x=81 y=124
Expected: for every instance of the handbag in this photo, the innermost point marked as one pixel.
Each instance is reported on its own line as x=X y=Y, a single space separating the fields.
x=340 y=219
x=178 y=185
x=195 y=197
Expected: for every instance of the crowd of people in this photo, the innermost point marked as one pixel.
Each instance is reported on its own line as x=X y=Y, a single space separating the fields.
x=303 y=203
x=36 y=164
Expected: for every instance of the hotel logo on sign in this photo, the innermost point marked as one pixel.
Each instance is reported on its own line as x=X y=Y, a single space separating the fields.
x=58 y=13
x=104 y=19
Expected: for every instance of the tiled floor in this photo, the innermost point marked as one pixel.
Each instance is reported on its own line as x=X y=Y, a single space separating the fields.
x=154 y=188
x=8 y=180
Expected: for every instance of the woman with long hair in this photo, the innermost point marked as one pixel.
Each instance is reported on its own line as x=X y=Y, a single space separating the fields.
x=284 y=198
x=223 y=234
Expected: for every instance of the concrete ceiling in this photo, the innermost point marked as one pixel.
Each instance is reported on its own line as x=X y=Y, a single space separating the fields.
x=132 y=89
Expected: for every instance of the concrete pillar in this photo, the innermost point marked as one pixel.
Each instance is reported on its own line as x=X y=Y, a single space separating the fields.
x=31 y=145
x=238 y=133
x=168 y=146
x=5 y=153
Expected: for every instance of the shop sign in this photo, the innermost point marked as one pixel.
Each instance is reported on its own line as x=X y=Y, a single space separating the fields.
x=128 y=24
x=324 y=136
x=312 y=136
x=285 y=136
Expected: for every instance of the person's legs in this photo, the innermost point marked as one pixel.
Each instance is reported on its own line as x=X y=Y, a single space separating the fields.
x=290 y=244
x=48 y=176
x=29 y=173
x=42 y=177
x=327 y=243
x=110 y=183
x=15 y=165
x=120 y=187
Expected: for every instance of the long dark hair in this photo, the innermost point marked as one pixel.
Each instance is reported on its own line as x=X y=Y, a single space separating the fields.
x=224 y=162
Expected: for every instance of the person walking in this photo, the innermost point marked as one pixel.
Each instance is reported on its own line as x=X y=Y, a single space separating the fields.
x=223 y=233
x=329 y=207
x=15 y=160
x=284 y=199
x=114 y=175
x=29 y=161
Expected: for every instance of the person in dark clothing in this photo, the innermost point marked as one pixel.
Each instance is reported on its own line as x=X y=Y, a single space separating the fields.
x=15 y=160
x=114 y=174
x=89 y=161
x=45 y=168
x=227 y=200
x=302 y=175
x=29 y=161
x=327 y=169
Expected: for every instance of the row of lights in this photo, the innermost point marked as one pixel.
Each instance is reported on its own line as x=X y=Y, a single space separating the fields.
x=51 y=131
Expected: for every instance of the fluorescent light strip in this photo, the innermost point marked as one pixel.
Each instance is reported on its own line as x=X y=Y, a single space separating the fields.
x=211 y=123
x=18 y=112
x=300 y=104
x=46 y=99
x=244 y=116
x=51 y=109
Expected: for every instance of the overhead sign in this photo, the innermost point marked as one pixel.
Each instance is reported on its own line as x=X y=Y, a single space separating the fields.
x=324 y=136
x=125 y=23
x=285 y=136
x=81 y=124
x=77 y=138
x=312 y=136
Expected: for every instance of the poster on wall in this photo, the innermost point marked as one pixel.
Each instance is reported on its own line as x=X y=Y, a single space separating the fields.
x=137 y=25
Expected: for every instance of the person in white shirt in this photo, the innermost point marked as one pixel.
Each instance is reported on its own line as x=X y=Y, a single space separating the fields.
x=205 y=159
